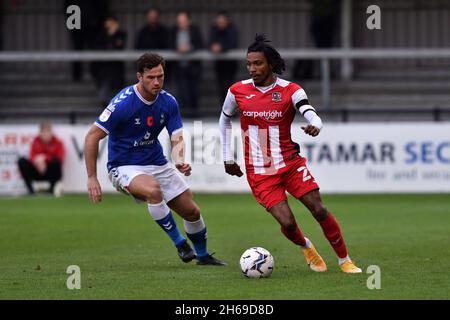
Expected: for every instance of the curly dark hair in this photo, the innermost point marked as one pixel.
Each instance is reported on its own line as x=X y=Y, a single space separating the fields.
x=261 y=44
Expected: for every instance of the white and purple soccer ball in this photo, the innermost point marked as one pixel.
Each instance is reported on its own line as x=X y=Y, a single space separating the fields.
x=256 y=262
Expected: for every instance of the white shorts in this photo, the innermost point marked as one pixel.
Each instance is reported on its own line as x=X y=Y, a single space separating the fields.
x=171 y=182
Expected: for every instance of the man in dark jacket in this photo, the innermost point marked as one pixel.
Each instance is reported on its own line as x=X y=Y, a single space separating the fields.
x=223 y=36
x=186 y=38
x=109 y=75
x=153 y=35
x=93 y=13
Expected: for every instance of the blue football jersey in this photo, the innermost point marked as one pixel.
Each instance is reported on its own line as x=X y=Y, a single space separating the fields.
x=133 y=125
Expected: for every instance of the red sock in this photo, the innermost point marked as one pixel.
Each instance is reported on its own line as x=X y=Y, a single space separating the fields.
x=332 y=232
x=296 y=236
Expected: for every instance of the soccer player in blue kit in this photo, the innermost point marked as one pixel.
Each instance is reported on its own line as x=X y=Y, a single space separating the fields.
x=136 y=163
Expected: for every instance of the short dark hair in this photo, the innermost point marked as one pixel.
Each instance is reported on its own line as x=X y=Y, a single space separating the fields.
x=184 y=11
x=222 y=13
x=153 y=8
x=112 y=17
x=149 y=61
x=261 y=44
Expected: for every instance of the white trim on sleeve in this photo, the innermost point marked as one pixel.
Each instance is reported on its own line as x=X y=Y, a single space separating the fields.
x=229 y=105
x=177 y=131
x=101 y=127
x=298 y=96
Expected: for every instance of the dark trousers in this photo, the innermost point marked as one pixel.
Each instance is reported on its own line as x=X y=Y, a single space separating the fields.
x=29 y=173
x=225 y=73
x=109 y=79
x=187 y=78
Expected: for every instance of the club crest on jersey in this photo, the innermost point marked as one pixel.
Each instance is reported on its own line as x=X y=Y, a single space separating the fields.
x=276 y=96
x=150 y=121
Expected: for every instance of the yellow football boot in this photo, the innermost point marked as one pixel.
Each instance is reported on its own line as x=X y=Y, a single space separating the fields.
x=313 y=259
x=349 y=267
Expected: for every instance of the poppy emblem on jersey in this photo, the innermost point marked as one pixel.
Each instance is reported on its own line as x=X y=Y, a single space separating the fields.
x=276 y=96
x=150 y=121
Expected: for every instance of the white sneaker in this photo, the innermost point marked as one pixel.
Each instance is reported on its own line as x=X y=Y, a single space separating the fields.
x=58 y=190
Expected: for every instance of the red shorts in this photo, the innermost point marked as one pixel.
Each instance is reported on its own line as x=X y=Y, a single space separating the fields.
x=270 y=190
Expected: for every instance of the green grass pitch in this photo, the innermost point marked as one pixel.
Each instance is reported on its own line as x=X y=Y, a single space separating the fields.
x=123 y=254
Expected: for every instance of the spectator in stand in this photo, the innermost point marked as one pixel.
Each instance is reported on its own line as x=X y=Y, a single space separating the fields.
x=223 y=36
x=186 y=38
x=93 y=14
x=46 y=159
x=323 y=29
x=153 y=35
x=109 y=75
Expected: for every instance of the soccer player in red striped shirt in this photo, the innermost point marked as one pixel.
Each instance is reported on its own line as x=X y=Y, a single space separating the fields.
x=267 y=105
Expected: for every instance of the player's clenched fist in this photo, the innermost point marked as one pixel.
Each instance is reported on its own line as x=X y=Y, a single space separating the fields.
x=233 y=169
x=184 y=168
x=311 y=130
x=94 y=189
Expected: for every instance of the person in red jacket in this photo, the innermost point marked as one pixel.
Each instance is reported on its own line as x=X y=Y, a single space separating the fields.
x=46 y=159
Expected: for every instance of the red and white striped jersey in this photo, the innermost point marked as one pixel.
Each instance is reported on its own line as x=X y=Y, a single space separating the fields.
x=266 y=116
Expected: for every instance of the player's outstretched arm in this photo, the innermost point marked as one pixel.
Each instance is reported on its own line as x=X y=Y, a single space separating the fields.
x=229 y=108
x=314 y=122
x=178 y=152
x=231 y=167
x=91 y=142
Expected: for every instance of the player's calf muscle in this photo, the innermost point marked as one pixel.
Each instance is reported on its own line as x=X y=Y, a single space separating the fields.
x=283 y=214
x=185 y=206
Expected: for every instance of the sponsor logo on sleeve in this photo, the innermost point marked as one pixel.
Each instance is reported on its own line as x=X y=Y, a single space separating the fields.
x=105 y=115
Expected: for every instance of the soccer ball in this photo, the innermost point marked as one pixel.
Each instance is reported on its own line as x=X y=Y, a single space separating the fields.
x=256 y=262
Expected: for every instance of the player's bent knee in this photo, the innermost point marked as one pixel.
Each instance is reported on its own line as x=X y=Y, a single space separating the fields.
x=319 y=212
x=154 y=194
x=289 y=225
x=194 y=214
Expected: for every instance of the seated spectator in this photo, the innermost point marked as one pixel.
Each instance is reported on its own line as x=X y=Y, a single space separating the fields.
x=153 y=35
x=223 y=36
x=186 y=38
x=46 y=159
x=109 y=75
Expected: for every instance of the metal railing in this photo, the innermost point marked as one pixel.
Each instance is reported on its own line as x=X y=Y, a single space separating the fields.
x=73 y=116
x=324 y=56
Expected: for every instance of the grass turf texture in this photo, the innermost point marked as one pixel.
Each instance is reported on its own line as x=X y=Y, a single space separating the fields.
x=123 y=254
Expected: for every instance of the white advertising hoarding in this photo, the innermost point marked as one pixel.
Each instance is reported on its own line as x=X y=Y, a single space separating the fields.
x=344 y=158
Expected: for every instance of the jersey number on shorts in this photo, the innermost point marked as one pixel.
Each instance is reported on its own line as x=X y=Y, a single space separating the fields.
x=306 y=176
x=257 y=147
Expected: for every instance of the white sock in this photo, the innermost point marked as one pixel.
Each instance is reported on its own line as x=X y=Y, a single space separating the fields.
x=307 y=244
x=342 y=260
x=158 y=210
x=192 y=227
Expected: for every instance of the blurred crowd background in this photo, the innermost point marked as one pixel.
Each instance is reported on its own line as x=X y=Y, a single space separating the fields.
x=75 y=92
